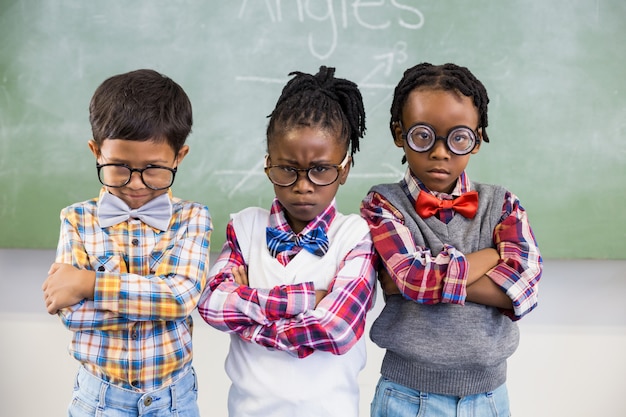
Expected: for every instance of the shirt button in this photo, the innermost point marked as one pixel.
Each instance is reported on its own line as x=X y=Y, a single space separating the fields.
x=135 y=384
x=135 y=242
x=147 y=401
x=101 y=268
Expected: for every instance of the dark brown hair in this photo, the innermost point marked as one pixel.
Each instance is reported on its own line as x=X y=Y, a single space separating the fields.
x=141 y=105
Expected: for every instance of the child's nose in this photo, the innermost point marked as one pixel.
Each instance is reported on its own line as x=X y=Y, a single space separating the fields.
x=135 y=180
x=303 y=183
x=440 y=150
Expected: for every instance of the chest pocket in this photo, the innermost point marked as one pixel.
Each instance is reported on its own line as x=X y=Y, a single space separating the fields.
x=110 y=262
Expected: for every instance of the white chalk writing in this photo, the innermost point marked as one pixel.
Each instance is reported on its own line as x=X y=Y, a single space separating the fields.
x=338 y=14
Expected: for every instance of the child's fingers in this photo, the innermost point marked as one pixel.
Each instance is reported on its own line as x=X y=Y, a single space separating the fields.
x=50 y=306
x=53 y=268
x=48 y=299
x=46 y=284
x=239 y=273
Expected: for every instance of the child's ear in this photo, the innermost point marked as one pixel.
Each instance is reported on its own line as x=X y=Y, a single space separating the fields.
x=397 y=135
x=181 y=154
x=95 y=149
x=343 y=175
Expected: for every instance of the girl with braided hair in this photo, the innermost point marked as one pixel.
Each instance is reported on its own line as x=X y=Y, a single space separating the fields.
x=460 y=264
x=293 y=284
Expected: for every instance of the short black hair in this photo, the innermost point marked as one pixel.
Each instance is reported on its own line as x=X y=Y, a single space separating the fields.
x=320 y=100
x=141 y=105
x=447 y=77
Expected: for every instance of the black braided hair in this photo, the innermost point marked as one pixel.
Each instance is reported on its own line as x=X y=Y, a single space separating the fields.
x=447 y=77
x=320 y=100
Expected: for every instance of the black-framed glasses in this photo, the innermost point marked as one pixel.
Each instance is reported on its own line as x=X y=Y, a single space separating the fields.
x=285 y=176
x=421 y=137
x=154 y=177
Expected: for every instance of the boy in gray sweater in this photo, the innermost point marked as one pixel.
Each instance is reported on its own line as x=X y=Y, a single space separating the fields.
x=460 y=263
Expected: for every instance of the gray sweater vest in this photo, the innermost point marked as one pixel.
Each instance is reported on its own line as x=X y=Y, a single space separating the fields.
x=446 y=348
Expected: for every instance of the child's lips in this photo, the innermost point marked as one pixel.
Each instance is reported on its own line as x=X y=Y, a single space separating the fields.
x=302 y=206
x=136 y=196
x=135 y=199
x=438 y=172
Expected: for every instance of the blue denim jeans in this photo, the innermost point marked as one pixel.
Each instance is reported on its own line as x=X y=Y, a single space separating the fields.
x=95 y=397
x=395 y=400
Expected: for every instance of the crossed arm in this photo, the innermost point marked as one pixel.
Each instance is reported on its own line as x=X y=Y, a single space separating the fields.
x=505 y=276
x=480 y=288
x=295 y=318
x=86 y=299
x=67 y=285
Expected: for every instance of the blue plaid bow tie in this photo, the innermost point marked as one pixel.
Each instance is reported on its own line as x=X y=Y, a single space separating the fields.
x=279 y=241
x=156 y=213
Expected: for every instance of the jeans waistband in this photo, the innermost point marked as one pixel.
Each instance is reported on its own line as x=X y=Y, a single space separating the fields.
x=112 y=395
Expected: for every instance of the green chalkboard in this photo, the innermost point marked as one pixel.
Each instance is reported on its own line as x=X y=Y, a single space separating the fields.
x=554 y=71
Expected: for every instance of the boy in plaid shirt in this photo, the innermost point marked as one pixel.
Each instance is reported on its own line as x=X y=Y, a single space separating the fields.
x=131 y=264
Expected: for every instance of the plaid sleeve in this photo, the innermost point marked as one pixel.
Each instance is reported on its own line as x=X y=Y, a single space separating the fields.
x=338 y=321
x=420 y=276
x=71 y=250
x=232 y=308
x=519 y=270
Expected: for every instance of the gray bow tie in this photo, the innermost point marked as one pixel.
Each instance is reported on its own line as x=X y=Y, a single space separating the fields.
x=156 y=213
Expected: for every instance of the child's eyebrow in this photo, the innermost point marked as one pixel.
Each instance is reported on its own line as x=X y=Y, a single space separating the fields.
x=127 y=162
x=296 y=164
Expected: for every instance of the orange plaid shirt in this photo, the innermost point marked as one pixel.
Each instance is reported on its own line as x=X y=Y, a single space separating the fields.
x=136 y=332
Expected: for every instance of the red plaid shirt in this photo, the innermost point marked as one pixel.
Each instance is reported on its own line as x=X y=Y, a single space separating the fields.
x=440 y=278
x=285 y=317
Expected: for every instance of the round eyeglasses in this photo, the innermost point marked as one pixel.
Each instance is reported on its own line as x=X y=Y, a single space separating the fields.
x=153 y=176
x=285 y=176
x=421 y=137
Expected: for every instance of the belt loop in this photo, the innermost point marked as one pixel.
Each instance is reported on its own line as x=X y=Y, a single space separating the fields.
x=173 y=397
x=102 y=396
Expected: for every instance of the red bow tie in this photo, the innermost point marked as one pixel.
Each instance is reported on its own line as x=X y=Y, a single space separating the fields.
x=428 y=205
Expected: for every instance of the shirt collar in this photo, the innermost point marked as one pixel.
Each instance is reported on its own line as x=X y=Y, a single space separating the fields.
x=414 y=185
x=323 y=220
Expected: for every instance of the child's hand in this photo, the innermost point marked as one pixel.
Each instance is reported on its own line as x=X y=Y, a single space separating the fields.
x=319 y=294
x=66 y=286
x=386 y=282
x=240 y=275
